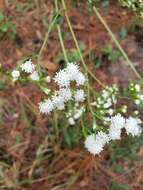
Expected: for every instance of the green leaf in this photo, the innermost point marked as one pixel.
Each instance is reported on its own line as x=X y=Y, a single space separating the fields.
x=2 y=85
x=4 y=27
x=118 y=168
x=67 y=139
x=57 y=18
x=98 y=63
x=1 y=17
x=118 y=186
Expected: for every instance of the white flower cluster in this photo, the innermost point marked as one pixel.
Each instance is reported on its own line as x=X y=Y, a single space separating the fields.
x=27 y=67
x=106 y=99
x=117 y=123
x=64 y=78
x=95 y=144
x=75 y=115
x=71 y=73
x=135 y=92
x=105 y=103
x=34 y=76
x=15 y=75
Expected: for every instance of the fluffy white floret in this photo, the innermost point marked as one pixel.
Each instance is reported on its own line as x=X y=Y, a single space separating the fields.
x=71 y=73
x=114 y=133
x=28 y=66
x=72 y=69
x=15 y=74
x=92 y=146
x=48 y=79
x=79 y=96
x=102 y=138
x=34 y=76
x=108 y=103
x=115 y=129
x=65 y=93
x=80 y=79
x=132 y=126
x=71 y=121
x=118 y=121
x=79 y=113
x=62 y=78
x=46 y=107
x=110 y=111
x=95 y=144
x=58 y=102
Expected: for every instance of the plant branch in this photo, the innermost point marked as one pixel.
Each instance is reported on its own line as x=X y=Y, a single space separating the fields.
x=78 y=48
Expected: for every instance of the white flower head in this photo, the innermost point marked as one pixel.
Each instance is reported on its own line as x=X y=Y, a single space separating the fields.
x=118 y=121
x=95 y=144
x=79 y=96
x=115 y=129
x=102 y=137
x=71 y=121
x=28 y=66
x=79 y=113
x=58 y=102
x=80 y=79
x=137 y=87
x=48 y=79
x=65 y=93
x=105 y=94
x=73 y=70
x=46 y=106
x=110 y=111
x=133 y=126
x=34 y=76
x=114 y=133
x=62 y=78
x=137 y=101
x=124 y=108
x=108 y=103
x=141 y=97
x=15 y=75
x=136 y=112
x=92 y=145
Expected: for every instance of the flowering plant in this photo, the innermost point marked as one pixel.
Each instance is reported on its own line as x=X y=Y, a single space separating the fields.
x=110 y=119
x=101 y=115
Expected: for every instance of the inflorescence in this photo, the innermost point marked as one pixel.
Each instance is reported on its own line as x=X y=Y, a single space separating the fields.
x=95 y=143
x=64 y=78
x=71 y=95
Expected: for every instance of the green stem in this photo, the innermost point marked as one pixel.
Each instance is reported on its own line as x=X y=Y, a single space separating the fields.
x=83 y=62
x=113 y=37
x=45 y=41
x=78 y=48
x=56 y=125
x=60 y=36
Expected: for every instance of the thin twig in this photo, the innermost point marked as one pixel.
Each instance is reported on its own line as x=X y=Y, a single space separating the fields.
x=113 y=37
x=60 y=36
x=45 y=41
x=78 y=48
